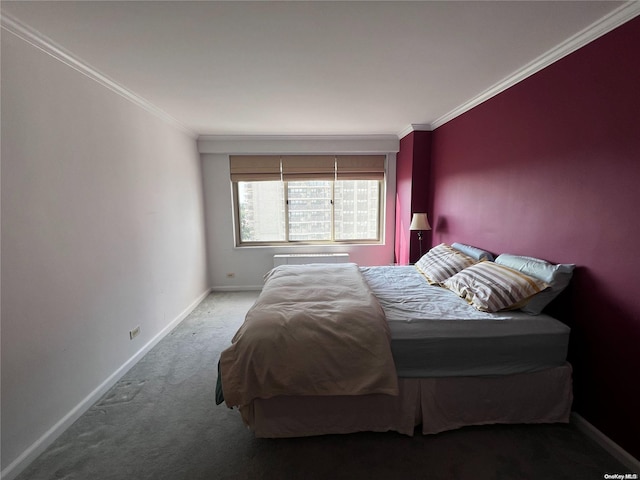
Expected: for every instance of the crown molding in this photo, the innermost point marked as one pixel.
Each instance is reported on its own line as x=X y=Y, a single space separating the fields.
x=415 y=127
x=298 y=144
x=45 y=44
x=288 y=137
x=607 y=23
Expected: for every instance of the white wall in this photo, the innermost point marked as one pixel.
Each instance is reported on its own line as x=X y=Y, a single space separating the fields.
x=249 y=264
x=102 y=230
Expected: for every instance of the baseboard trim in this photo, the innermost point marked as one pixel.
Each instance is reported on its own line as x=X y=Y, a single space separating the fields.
x=615 y=450
x=236 y=288
x=40 y=445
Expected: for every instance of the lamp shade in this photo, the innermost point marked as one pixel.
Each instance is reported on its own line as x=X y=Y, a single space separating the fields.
x=419 y=222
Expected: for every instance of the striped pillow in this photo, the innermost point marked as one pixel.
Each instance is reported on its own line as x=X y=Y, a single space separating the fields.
x=491 y=287
x=442 y=262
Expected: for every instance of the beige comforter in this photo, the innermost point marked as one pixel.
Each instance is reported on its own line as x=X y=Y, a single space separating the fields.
x=314 y=330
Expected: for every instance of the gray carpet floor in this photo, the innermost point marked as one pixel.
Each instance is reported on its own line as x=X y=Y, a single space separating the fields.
x=160 y=422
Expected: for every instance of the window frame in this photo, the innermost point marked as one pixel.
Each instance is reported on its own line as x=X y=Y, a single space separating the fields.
x=379 y=240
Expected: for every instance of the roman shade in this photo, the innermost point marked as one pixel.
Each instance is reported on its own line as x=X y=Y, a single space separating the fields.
x=252 y=168
x=360 y=167
x=308 y=167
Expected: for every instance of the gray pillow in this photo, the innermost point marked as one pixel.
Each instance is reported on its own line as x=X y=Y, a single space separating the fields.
x=557 y=276
x=473 y=252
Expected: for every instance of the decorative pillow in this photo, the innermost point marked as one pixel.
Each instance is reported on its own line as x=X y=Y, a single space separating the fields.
x=491 y=287
x=474 y=252
x=557 y=276
x=441 y=262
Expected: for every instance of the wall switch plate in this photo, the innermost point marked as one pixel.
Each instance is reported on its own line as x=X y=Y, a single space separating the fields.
x=134 y=333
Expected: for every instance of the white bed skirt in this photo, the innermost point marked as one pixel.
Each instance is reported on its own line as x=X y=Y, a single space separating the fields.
x=438 y=404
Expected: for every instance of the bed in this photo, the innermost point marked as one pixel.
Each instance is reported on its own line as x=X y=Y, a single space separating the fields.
x=396 y=351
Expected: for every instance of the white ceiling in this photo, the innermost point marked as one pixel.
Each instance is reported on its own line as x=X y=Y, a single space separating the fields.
x=309 y=68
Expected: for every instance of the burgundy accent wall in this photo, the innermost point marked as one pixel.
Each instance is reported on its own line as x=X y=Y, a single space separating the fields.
x=551 y=168
x=413 y=165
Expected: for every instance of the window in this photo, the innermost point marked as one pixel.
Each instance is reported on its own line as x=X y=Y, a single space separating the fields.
x=262 y=212
x=308 y=204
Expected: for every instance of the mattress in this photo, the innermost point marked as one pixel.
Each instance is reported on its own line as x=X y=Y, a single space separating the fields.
x=435 y=333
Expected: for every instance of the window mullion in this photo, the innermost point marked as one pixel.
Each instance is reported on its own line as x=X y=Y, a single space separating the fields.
x=333 y=211
x=286 y=211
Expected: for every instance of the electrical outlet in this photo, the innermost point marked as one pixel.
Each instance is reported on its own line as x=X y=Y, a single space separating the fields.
x=231 y=275
x=134 y=333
